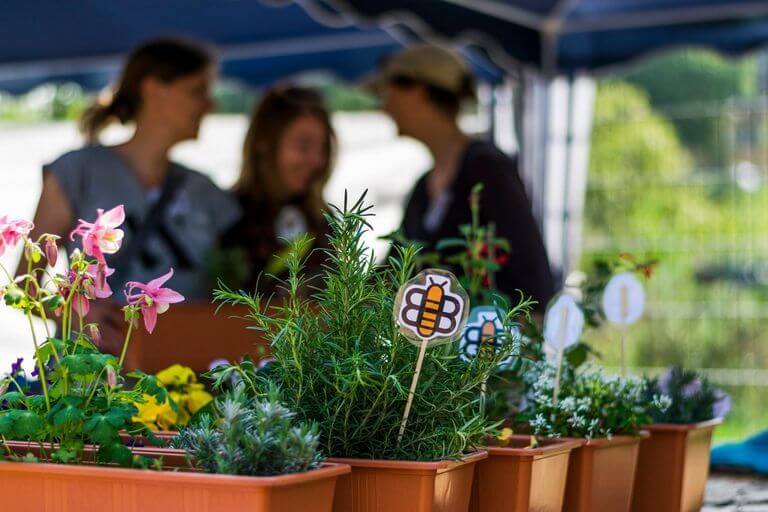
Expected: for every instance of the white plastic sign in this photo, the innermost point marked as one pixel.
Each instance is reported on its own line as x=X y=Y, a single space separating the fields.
x=290 y=223
x=563 y=323
x=623 y=299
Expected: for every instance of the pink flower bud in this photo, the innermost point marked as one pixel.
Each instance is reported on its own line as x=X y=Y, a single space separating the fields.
x=111 y=376
x=3 y=387
x=51 y=252
x=95 y=333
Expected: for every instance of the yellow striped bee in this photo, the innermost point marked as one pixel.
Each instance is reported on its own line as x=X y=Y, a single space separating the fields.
x=483 y=332
x=431 y=310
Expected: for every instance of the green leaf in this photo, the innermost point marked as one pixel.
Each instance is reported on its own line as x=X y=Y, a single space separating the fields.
x=446 y=243
x=6 y=422
x=67 y=411
x=12 y=397
x=100 y=429
x=87 y=364
x=27 y=424
x=115 y=452
x=63 y=455
x=45 y=352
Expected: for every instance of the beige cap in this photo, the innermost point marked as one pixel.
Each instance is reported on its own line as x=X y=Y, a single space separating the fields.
x=425 y=63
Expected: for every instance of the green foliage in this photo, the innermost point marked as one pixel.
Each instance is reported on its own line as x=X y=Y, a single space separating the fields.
x=250 y=437
x=589 y=404
x=632 y=149
x=695 y=76
x=341 y=362
x=692 y=398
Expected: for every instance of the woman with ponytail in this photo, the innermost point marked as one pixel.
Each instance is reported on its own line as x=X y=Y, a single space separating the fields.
x=423 y=88
x=174 y=216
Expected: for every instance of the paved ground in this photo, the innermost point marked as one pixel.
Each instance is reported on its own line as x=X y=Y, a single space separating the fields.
x=736 y=493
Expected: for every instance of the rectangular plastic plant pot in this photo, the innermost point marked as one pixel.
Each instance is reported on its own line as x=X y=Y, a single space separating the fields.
x=672 y=467
x=601 y=474
x=88 y=488
x=516 y=478
x=399 y=486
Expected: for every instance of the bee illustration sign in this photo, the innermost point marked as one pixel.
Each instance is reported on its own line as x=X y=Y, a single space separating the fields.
x=431 y=307
x=480 y=338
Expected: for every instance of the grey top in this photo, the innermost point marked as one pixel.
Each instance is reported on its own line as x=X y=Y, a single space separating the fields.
x=98 y=177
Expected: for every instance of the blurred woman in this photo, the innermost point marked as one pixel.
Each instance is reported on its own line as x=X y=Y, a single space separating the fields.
x=174 y=216
x=422 y=89
x=287 y=159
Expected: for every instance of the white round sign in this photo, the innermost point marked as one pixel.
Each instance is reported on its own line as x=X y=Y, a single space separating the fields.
x=563 y=322
x=623 y=299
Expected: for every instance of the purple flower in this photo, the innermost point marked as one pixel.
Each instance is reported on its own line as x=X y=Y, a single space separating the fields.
x=692 y=388
x=722 y=405
x=35 y=371
x=664 y=381
x=16 y=367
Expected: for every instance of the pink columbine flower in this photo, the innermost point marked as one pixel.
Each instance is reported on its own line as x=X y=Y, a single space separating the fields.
x=95 y=334
x=11 y=232
x=111 y=377
x=97 y=285
x=51 y=251
x=152 y=298
x=101 y=237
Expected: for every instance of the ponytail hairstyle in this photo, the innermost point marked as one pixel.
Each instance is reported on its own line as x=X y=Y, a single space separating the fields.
x=259 y=180
x=164 y=59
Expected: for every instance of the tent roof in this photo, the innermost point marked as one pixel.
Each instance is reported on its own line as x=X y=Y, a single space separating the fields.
x=84 y=41
x=570 y=35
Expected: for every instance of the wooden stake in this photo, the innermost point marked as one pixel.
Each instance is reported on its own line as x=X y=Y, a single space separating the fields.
x=624 y=313
x=563 y=328
x=414 y=382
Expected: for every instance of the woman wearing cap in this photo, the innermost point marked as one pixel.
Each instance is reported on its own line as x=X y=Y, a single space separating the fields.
x=422 y=89
x=173 y=215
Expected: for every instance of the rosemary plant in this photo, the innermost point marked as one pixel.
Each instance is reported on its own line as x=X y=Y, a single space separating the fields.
x=341 y=362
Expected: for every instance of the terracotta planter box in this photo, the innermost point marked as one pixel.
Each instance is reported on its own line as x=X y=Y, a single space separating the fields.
x=89 y=488
x=516 y=478
x=398 y=486
x=193 y=335
x=601 y=475
x=672 y=467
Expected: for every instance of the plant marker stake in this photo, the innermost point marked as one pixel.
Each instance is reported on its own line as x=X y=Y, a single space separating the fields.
x=412 y=391
x=429 y=309
x=623 y=329
x=560 y=348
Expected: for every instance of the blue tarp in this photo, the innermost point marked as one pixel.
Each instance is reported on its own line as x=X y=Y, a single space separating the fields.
x=572 y=35
x=83 y=40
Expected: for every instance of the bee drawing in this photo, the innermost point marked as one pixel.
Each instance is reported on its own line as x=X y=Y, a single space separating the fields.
x=481 y=333
x=431 y=310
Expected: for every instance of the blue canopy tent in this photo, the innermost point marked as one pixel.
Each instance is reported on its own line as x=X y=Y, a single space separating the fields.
x=41 y=42
x=559 y=36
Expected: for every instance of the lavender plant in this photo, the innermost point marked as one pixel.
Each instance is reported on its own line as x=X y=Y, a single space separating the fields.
x=247 y=437
x=692 y=398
